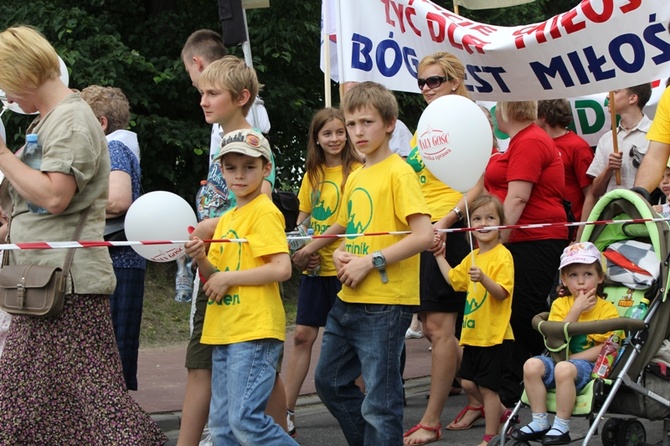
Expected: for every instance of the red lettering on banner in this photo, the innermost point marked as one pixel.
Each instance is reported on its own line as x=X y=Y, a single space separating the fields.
x=436 y=27
x=571 y=21
x=592 y=15
x=397 y=11
x=631 y=6
x=568 y=24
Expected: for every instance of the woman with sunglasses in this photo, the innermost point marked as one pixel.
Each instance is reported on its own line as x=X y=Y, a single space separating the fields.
x=441 y=309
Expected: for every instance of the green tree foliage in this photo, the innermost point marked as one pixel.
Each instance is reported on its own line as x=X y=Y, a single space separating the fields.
x=135 y=45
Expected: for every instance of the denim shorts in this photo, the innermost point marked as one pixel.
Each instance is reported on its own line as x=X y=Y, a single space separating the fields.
x=584 y=369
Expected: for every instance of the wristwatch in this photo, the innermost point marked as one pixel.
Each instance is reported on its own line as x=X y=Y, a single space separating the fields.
x=459 y=214
x=379 y=262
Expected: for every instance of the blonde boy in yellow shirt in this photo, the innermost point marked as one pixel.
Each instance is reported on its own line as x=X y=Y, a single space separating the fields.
x=245 y=318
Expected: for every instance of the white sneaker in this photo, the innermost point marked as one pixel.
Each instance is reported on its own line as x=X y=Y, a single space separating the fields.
x=411 y=334
x=290 y=424
x=207 y=441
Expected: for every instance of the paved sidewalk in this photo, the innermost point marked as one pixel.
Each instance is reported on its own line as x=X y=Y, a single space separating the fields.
x=162 y=376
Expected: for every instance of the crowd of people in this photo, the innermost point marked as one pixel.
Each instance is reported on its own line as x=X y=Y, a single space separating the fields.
x=362 y=174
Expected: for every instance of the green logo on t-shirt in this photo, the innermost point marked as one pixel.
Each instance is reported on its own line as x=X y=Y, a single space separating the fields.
x=360 y=216
x=471 y=305
x=320 y=209
x=414 y=160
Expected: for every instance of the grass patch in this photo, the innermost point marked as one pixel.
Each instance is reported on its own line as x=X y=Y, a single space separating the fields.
x=165 y=321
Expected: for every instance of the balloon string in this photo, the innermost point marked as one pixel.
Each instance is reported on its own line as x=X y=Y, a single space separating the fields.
x=472 y=245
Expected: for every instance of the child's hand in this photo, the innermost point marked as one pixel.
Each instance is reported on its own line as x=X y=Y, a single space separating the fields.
x=476 y=274
x=354 y=269
x=586 y=301
x=195 y=248
x=439 y=240
x=301 y=258
x=313 y=261
x=216 y=286
x=658 y=208
x=341 y=258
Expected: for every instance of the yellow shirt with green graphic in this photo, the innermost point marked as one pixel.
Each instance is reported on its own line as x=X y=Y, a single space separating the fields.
x=486 y=319
x=602 y=310
x=379 y=198
x=323 y=205
x=439 y=197
x=247 y=313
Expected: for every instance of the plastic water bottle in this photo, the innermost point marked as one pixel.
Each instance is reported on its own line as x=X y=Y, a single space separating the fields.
x=313 y=272
x=607 y=355
x=639 y=311
x=184 y=280
x=294 y=243
x=32 y=156
x=200 y=211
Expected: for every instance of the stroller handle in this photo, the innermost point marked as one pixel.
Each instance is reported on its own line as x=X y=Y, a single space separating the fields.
x=555 y=332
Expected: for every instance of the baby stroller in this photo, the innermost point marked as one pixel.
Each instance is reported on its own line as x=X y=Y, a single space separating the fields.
x=639 y=381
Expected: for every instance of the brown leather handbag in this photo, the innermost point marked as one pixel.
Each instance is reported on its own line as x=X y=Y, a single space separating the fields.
x=36 y=290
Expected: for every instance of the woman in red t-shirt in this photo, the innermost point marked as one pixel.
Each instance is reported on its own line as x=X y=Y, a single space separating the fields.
x=529 y=179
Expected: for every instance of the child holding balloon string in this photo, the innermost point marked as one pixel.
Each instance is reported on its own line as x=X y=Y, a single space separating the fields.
x=488 y=276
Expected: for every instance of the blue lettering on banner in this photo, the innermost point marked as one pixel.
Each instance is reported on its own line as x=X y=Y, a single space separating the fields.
x=626 y=53
x=388 y=56
x=484 y=86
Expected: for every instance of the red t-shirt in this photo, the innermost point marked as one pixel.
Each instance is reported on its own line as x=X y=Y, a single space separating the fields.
x=577 y=156
x=532 y=156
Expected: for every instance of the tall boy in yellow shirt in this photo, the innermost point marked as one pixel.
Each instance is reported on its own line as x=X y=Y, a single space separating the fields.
x=365 y=331
x=244 y=320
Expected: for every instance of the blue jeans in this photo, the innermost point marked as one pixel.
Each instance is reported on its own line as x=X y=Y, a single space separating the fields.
x=243 y=375
x=584 y=369
x=364 y=339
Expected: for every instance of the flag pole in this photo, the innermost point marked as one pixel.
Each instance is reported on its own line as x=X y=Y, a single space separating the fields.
x=615 y=138
x=327 y=94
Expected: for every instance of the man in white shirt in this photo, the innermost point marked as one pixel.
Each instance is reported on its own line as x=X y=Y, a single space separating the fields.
x=632 y=143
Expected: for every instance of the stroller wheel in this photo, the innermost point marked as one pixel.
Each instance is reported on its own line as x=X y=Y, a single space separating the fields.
x=610 y=431
x=631 y=433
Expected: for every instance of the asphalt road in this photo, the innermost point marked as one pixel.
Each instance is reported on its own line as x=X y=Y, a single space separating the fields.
x=316 y=427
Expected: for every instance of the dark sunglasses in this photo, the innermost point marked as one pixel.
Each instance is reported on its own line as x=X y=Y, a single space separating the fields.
x=432 y=81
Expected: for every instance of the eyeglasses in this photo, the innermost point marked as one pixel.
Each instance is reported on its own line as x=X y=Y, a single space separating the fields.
x=432 y=81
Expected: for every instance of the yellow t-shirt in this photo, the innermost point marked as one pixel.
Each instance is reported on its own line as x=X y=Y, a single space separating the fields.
x=601 y=311
x=323 y=205
x=440 y=197
x=379 y=198
x=660 y=127
x=486 y=319
x=247 y=313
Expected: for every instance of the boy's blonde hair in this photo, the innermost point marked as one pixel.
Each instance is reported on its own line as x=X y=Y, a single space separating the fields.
x=109 y=102
x=27 y=59
x=233 y=74
x=451 y=66
x=371 y=94
x=518 y=110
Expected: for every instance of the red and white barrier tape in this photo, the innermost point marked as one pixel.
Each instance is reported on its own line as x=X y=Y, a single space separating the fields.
x=103 y=244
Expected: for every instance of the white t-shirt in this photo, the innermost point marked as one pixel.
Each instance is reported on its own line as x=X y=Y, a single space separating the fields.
x=401 y=138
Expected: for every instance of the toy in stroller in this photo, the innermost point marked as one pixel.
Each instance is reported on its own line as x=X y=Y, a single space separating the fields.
x=637 y=249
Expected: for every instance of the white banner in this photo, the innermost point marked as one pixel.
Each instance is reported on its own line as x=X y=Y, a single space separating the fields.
x=597 y=46
x=490 y=4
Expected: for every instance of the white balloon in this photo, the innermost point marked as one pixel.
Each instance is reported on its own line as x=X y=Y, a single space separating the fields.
x=160 y=216
x=455 y=140
x=64 y=77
